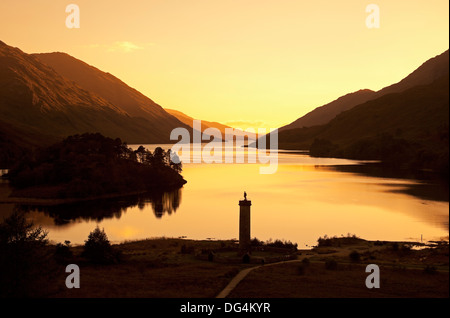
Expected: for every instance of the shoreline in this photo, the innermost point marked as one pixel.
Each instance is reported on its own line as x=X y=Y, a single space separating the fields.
x=8 y=199
x=50 y=202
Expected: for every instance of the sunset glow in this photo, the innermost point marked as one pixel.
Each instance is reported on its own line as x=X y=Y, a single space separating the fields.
x=243 y=63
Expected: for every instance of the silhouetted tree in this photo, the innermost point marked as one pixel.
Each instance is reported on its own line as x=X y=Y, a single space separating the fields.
x=98 y=249
x=24 y=259
x=91 y=165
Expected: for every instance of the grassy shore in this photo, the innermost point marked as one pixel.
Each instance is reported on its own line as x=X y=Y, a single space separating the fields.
x=181 y=268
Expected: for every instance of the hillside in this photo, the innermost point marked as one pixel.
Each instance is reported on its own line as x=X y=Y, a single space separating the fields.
x=427 y=73
x=39 y=106
x=398 y=127
x=323 y=114
x=114 y=91
x=188 y=120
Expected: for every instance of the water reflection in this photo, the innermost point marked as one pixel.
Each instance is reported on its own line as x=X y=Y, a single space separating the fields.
x=306 y=198
x=422 y=184
x=161 y=203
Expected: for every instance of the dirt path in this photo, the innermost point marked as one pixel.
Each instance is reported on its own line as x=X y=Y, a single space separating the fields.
x=242 y=274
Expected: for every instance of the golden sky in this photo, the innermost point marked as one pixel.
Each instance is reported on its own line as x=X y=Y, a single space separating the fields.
x=242 y=62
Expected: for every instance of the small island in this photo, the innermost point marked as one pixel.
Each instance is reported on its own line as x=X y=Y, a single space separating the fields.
x=92 y=166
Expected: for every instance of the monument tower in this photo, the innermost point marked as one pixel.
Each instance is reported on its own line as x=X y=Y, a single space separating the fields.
x=244 y=224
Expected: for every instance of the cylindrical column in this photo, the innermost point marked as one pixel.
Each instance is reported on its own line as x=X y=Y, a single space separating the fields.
x=244 y=225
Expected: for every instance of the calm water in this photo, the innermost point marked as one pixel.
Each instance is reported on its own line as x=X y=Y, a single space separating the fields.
x=305 y=199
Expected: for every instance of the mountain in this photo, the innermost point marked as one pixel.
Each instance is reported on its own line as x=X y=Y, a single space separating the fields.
x=114 y=91
x=415 y=114
x=428 y=72
x=405 y=124
x=188 y=120
x=323 y=114
x=411 y=126
x=39 y=106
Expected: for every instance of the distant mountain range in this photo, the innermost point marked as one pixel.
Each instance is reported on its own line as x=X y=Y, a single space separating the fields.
x=188 y=120
x=116 y=92
x=405 y=123
x=427 y=73
x=46 y=97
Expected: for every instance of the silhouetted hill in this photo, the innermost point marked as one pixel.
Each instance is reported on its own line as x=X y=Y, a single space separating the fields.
x=188 y=120
x=114 y=91
x=323 y=114
x=39 y=106
x=427 y=73
x=408 y=127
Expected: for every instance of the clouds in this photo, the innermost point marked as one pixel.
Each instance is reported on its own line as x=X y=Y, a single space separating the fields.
x=244 y=124
x=122 y=46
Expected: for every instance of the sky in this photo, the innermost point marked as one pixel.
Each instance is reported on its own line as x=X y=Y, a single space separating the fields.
x=245 y=63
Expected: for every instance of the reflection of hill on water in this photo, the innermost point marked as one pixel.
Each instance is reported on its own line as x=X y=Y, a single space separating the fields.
x=161 y=203
x=428 y=186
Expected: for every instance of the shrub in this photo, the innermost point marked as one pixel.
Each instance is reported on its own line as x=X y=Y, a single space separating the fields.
x=98 y=249
x=430 y=270
x=303 y=266
x=187 y=249
x=306 y=261
x=301 y=269
x=63 y=252
x=355 y=256
x=256 y=242
x=331 y=264
x=246 y=258
x=25 y=264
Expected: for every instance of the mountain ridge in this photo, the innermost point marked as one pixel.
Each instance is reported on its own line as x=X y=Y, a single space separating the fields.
x=426 y=73
x=45 y=106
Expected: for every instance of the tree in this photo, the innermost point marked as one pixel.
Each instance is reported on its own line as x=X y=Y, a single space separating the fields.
x=159 y=157
x=25 y=262
x=98 y=249
x=141 y=154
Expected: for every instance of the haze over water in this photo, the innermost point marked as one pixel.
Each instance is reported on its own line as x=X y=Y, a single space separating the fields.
x=305 y=199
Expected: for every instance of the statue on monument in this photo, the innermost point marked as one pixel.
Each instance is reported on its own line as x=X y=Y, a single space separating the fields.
x=245 y=196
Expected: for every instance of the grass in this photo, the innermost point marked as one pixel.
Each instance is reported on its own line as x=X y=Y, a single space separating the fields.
x=153 y=268
x=347 y=281
x=179 y=268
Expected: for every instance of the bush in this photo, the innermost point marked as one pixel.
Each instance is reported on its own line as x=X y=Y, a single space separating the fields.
x=430 y=270
x=98 y=249
x=301 y=269
x=355 y=256
x=255 y=242
x=25 y=264
x=246 y=259
x=331 y=264
x=63 y=252
x=187 y=249
x=303 y=266
x=306 y=261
